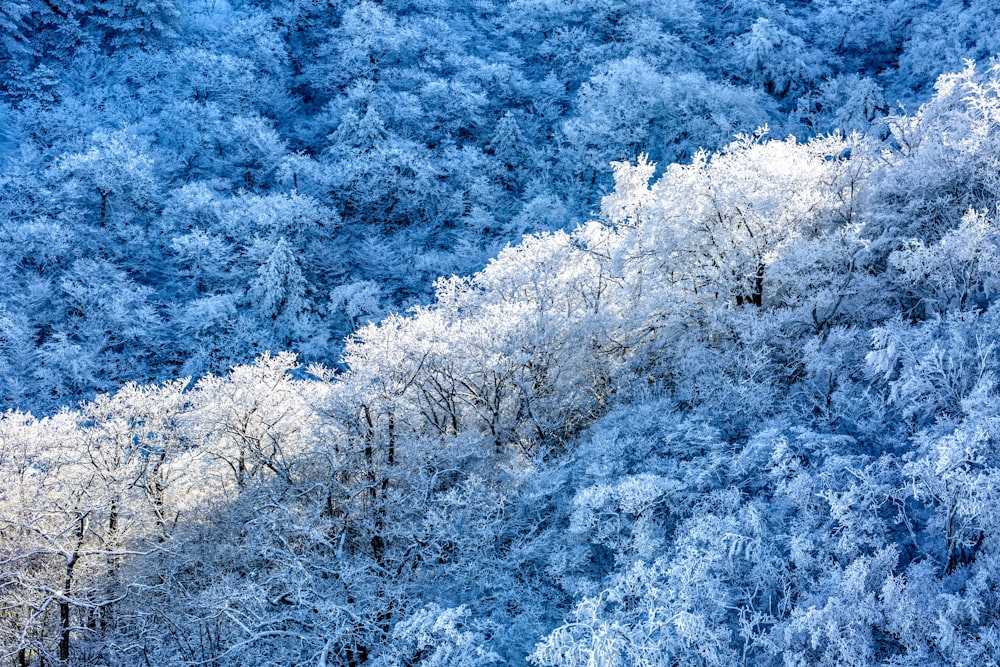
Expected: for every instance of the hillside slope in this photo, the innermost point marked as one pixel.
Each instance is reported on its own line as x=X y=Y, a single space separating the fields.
x=747 y=416
x=187 y=184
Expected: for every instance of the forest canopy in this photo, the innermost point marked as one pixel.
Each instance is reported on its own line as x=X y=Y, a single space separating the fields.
x=189 y=183
x=499 y=333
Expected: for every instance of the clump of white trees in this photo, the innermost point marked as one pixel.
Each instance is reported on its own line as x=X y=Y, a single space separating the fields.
x=747 y=416
x=188 y=183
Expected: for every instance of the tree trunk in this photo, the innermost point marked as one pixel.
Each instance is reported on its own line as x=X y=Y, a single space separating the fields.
x=104 y=207
x=64 y=604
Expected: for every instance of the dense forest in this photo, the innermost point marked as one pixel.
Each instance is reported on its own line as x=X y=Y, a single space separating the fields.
x=499 y=332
